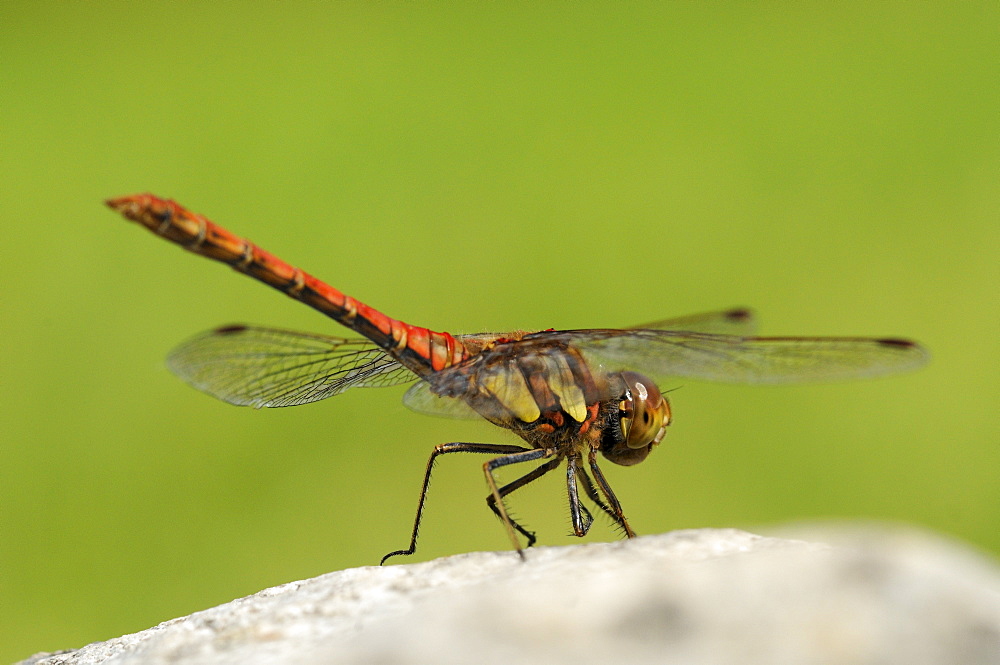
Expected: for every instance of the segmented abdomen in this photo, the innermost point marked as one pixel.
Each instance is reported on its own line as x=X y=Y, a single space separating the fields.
x=421 y=350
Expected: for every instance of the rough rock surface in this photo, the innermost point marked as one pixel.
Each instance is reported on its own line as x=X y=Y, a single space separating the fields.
x=691 y=597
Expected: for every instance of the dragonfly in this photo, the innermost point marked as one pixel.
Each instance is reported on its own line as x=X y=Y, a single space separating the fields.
x=572 y=396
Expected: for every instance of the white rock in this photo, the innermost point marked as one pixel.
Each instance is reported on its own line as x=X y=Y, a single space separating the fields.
x=693 y=597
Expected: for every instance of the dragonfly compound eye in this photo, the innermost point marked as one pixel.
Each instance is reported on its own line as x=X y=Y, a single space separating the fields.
x=640 y=422
x=645 y=412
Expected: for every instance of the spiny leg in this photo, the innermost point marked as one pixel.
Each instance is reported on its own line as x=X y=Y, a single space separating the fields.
x=442 y=449
x=613 y=503
x=580 y=516
x=497 y=462
x=588 y=517
x=531 y=476
x=591 y=491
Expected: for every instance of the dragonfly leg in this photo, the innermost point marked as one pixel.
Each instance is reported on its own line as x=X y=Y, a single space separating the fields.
x=580 y=516
x=531 y=476
x=591 y=491
x=442 y=449
x=525 y=455
x=615 y=507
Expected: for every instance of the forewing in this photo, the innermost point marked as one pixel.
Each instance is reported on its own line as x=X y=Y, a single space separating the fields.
x=265 y=367
x=734 y=359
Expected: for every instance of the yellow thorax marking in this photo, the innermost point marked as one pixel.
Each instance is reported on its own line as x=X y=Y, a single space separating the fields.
x=564 y=385
x=507 y=384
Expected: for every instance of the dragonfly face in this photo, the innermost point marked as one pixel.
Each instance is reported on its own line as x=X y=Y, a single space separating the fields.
x=643 y=417
x=568 y=393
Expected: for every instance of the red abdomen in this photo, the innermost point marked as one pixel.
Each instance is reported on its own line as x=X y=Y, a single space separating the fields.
x=421 y=350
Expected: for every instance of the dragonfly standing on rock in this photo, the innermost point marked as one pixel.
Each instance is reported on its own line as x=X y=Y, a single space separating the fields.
x=570 y=394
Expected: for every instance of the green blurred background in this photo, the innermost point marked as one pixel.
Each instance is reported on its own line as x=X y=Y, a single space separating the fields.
x=469 y=168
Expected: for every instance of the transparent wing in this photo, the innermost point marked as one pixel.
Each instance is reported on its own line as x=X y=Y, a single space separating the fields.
x=265 y=367
x=735 y=359
x=735 y=321
x=420 y=398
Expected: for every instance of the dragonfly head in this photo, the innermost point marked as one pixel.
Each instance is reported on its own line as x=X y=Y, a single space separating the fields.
x=643 y=416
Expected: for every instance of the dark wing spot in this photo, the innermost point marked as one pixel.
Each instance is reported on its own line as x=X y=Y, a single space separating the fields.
x=900 y=343
x=740 y=314
x=229 y=330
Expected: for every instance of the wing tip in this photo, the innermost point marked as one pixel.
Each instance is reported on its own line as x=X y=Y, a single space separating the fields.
x=919 y=355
